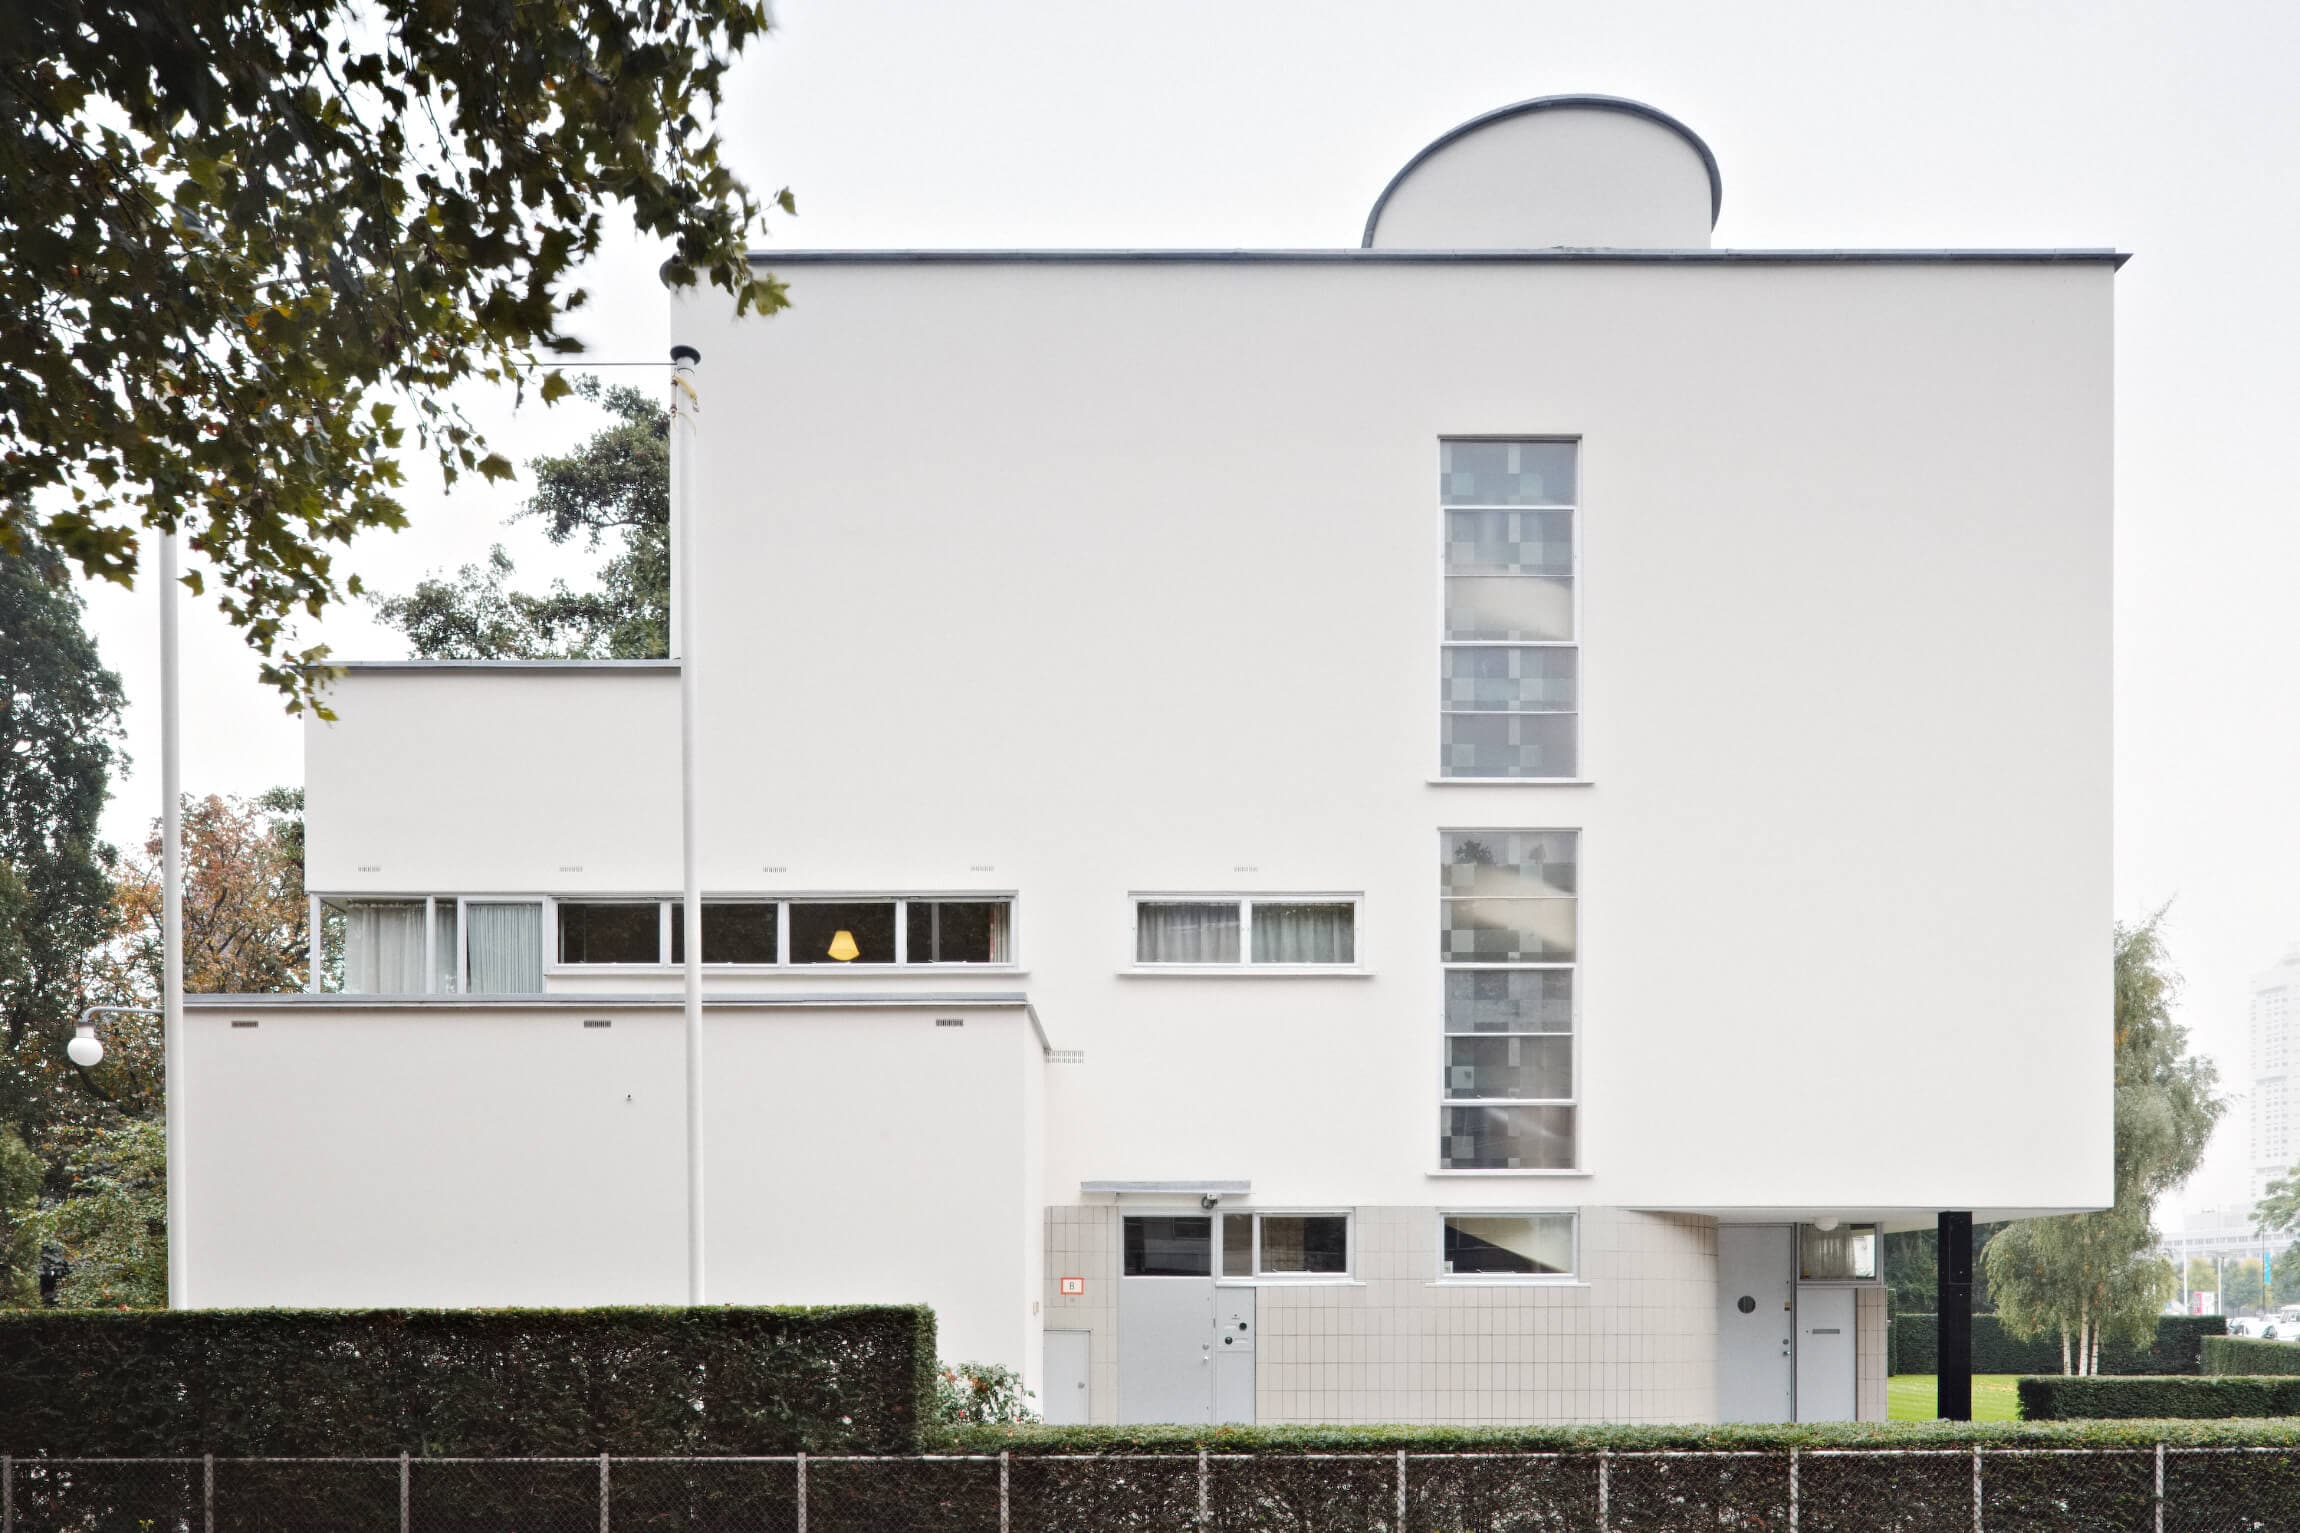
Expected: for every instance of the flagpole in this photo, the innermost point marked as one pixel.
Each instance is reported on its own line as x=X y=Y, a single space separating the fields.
x=685 y=404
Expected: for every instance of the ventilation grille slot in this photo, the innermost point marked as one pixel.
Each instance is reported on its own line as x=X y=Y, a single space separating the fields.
x=1066 y=1056
x=597 y=1022
x=243 y=1022
x=950 y=1021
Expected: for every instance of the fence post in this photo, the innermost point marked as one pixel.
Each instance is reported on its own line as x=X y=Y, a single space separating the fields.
x=603 y=1493
x=800 y=1525
x=1205 y=1494
x=1792 y=1488
x=1401 y=1490
x=2159 y=1496
x=1976 y=1488
x=208 y=1493
x=8 y=1493
x=1605 y=1490
x=403 y=1493
x=1003 y=1515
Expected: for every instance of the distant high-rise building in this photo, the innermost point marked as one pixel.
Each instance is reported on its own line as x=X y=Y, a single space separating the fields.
x=2275 y=1050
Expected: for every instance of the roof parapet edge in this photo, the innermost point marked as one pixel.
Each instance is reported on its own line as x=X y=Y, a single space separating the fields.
x=1120 y=256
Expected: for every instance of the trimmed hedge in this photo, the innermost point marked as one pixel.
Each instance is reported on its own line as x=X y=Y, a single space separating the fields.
x=2173 y=1397
x=2250 y=1356
x=1912 y=1346
x=1121 y=1442
x=478 y=1383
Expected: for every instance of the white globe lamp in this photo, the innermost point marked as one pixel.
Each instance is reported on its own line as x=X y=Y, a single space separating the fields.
x=85 y=1049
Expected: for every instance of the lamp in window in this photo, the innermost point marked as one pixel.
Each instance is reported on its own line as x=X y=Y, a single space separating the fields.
x=843 y=947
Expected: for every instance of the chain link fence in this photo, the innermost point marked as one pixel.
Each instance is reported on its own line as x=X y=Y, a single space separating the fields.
x=2164 y=1489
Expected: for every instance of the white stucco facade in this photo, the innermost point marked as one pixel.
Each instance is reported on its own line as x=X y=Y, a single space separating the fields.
x=1066 y=581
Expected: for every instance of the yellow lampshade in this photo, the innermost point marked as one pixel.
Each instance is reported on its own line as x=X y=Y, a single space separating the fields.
x=843 y=947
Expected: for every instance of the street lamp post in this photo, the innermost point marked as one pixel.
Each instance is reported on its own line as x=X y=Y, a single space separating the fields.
x=685 y=404
x=172 y=920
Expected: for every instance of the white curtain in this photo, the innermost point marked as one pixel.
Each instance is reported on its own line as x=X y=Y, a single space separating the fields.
x=506 y=943
x=444 y=947
x=383 y=947
x=1178 y=933
x=1304 y=934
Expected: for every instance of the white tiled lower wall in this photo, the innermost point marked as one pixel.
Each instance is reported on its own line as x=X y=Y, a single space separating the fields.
x=1871 y=1315
x=1634 y=1340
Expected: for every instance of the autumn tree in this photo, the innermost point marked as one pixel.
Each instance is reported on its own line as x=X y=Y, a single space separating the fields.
x=613 y=490
x=250 y=251
x=2095 y=1276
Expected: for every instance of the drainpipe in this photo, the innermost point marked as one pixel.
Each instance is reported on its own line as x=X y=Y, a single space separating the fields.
x=685 y=406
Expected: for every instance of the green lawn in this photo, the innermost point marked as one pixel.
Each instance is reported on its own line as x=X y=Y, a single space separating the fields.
x=1910 y=1397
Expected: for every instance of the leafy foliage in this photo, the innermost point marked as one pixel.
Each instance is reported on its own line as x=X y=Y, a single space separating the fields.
x=2091 y=1277
x=21 y=1173
x=2242 y=1286
x=240 y=236
x=59 y=744
x=2151 y=1399
x=111 y=1226
x=1124 y=1440
x=2172 y=1346
x=980 y=1394
x=614 y=488
x=846 y=1379
x=2245 y=1356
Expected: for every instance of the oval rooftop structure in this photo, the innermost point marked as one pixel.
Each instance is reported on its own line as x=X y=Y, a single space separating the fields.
x=1556 y=172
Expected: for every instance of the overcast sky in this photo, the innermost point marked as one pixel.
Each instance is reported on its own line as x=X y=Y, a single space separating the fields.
x=2167 y=129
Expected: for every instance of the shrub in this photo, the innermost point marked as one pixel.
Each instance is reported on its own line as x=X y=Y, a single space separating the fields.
x=479 y=1383
x=1913 y=1346
x=980 y=1395
x=2168 y=1397
x=2243 y=1355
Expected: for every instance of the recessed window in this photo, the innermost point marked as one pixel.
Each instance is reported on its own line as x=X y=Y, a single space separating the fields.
x=1509 y=657
x=1285 y=1245
x=1508 y=928
x=1507 y=1245
x=956 y=931
x=1846 y=1254
x=1284 y=932
x=610 y=933
x=734 y=931
x=1169 y=1246
x=845 y=931
x=503 y=946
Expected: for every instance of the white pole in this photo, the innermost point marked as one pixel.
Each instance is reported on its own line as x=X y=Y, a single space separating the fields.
x=172 y=921
x=684 y=408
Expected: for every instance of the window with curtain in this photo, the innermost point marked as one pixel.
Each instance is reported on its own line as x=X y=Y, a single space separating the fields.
x=1509 y=659
x=1845 y=1254
x=1282 y=932
x=383 y=947
x=504 y=947
x=956 y=931
x=1508 y=927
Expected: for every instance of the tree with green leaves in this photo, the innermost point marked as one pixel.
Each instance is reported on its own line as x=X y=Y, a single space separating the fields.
x=614 y=490
x=2092 y=1276
x=59 y=745
x=2241 y=1286
x=2284 y=1286
x=111 y=1225
x=240 y=239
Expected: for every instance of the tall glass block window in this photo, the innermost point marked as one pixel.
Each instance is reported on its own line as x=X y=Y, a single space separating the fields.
x=1509 y=665
x=1509 y=907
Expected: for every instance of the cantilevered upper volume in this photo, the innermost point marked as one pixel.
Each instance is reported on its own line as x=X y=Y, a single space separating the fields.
x=1588 y=172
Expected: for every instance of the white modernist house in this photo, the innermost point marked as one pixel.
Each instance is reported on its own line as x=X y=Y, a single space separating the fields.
x=1443 y=830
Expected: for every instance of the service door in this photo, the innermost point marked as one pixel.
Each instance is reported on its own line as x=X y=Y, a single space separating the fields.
x=1166 y=1320
x=1825 y=1354
x=1756 y=1322
x=1068 y=1403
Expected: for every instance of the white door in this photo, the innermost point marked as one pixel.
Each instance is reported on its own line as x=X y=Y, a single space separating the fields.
x=1756 y=1320
x=1234 y=1356
x=1825 y=1354
x=1166 y=1320
x=1067 y=1402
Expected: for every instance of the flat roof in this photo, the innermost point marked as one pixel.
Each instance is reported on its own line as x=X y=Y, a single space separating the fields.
x=307 y=1000
x=1361 y=257
x=494 y=665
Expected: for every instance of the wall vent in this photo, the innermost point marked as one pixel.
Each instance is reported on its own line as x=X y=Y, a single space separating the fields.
x=571 y=867
x=1066 y=1056
x=371 y=867
x=597 y=1022
x=950 y=1021
x=243 y=1022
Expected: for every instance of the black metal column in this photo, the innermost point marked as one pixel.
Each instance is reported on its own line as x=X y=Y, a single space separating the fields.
x=1955 y=1364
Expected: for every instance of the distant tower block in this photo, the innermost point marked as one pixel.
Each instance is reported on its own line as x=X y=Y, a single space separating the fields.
x=1556 y=172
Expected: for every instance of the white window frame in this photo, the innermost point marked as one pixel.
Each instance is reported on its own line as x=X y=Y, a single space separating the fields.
x=1244 y=963
x=1573 y=966
x=1256 y=1277
x=673 y=906
x=1446 y=642
x=1874 y=1280
x=1571 y=1278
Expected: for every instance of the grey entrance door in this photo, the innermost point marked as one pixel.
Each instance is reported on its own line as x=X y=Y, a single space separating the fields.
x=1185 y=1348
x=1825 y=1354
x=1756 y=1323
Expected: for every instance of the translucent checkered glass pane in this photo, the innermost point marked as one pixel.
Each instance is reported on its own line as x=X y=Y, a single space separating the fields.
x=1506 y=473
x=1502 y=678
x=1509 y=745
x=1537 y=1068
x=1508 y=1001
x=1509 y=542
x=1506 y=1139
x=1508 y=931
x=1509 y=863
